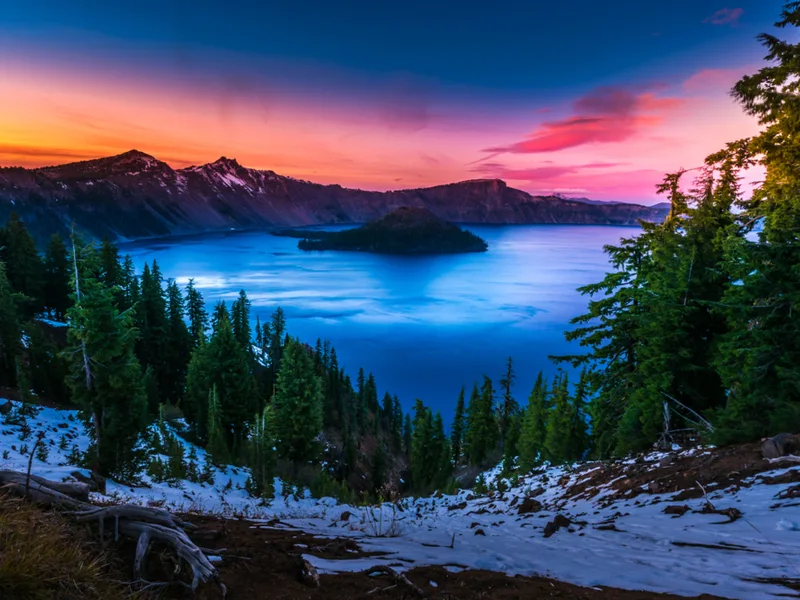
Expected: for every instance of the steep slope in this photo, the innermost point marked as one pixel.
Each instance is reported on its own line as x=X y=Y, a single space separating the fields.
x=703 y=521
x=135 y=195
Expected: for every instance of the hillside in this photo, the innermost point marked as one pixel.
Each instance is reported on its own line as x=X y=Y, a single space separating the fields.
x=134 y=195
x=704 y=522
x=403 y=231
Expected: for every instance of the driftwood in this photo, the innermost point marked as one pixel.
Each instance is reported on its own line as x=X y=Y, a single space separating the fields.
x=399 y=579
x=143 y=524
x=790 y=458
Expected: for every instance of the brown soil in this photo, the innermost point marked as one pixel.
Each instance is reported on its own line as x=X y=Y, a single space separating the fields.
x=721 y=468
x=267 y=564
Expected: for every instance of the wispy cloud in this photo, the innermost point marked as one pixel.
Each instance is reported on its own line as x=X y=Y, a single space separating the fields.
x=725 y=16
x=605 y=115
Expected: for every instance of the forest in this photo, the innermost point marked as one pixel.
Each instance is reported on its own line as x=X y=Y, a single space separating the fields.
x=695 y=329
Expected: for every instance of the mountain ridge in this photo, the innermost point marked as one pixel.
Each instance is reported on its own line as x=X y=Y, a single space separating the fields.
x=135 y=195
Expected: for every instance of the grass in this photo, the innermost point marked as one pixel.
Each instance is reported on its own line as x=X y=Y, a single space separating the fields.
x=44 y=557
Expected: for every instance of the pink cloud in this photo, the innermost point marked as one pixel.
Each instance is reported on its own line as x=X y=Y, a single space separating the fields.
x=536 y=174
x=725 y=16
x=605 y=115
x=710 y=80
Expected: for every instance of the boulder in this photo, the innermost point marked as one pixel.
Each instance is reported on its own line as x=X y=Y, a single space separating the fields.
x=529 y=505
x=780 y=445
x=6 y=407
x=557 y=523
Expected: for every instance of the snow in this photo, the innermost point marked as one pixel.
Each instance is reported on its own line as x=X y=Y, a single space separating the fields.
x=690 y=555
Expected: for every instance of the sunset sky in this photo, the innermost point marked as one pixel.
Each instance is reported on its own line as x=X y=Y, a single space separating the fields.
x=581 y=97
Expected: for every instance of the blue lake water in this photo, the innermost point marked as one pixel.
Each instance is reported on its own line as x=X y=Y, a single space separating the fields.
x=424 y=325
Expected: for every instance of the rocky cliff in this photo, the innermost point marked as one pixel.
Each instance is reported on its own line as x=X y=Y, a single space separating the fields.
x=135 y=195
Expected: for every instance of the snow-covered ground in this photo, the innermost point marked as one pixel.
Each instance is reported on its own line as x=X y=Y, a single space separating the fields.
x=646 y=549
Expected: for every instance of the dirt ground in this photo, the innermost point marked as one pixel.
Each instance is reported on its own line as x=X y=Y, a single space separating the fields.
x=266 y=564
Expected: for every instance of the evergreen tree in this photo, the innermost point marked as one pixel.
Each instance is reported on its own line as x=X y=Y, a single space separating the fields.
x=511 y=450
x=217 y=440
x=106 y=378
x=759 y=355
x=408 y=432
x=24 y=267
x=219 y=314
x=559 y=422
x=198 y=316
x=110 y=272
x=481 y=435
x=533 y=431
x=361 y=406
x=276 y=332
x=379 y=469
x=221 y=362
x=457 y=430
x=298 y=405
x=10 y=330
x=397 y=424
x=131 y=294
x=262 y=454
x=240 y=319
x=152 y=317
x=178 y=345
x=56 y=278
x=508 y=406
x=386 y=412
x=421 y=446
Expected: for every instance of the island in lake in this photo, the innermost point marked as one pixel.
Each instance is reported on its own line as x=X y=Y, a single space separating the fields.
x=403 y=231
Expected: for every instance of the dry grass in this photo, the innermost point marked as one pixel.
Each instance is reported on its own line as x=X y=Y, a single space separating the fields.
x=44 y=557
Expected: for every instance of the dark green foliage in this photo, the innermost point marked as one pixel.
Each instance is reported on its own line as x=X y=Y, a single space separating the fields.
x=533 y=432
x=24 y=267
x=221 y=362
x=481 y=435
x=178 y=345
x=151 y=317
x=240 y=320
x=298 y=405
x=379 y=469
x=56 y=278
x=262 y=455
x=196 y=312
x=105 y=377
x=457 y=430
x=759 y=356
x=509 y=407
x=10 y=330
x=403 y=231
x=217 y=445
x=48 y=367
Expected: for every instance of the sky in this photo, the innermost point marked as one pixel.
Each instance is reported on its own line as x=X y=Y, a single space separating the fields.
x=577 y=97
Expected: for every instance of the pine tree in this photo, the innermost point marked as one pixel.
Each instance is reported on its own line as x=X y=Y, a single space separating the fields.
x=379 y=469
x=217 y=440
x=559 y=422
x=386 y=412
x=408 y=432
x=106 y=378
x=457 y=430
x=262 y=454
x=533 y=431
x=10 y=330
x=110 y=272
x=221 y=362
x=758 y=357
x=152 y=317
x=397 y=424
x=219 y=314
x=421 y=450
x=361 y=406
x=130 y=295
x=508 y=405
x=178 y=345
x=240 y=319
x=197 y=314
x=481 y=434
x=276 y=331
x=56 y=278
x=440 y=458
x=298 y=405
x=24 y=267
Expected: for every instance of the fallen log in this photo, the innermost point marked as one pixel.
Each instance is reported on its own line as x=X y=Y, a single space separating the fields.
x=143 y=524
x=399 y=578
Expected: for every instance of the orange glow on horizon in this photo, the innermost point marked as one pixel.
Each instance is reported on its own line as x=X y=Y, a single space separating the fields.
x=49 y=117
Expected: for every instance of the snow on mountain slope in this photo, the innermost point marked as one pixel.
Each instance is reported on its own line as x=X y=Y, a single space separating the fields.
x=618 y=533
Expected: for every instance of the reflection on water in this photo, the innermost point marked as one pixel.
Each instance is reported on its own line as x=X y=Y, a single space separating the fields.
x=424 y=326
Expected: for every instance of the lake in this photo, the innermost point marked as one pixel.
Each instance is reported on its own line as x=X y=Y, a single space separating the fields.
x=424 y=325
